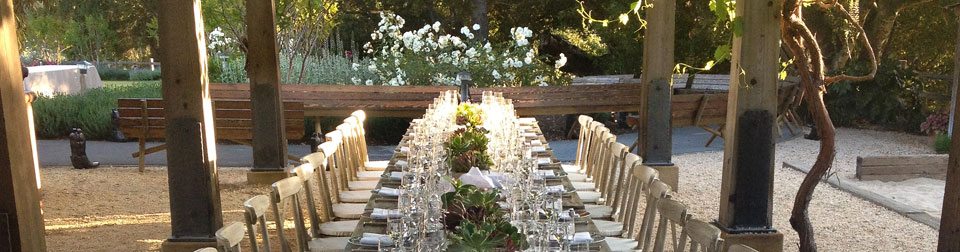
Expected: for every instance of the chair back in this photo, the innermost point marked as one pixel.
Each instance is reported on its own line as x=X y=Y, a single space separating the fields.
x=207 y=249
x=608 y=177
x=286 y=192
x=335 y=160
x=624 y=178
x=703 y=236
x=362 y=133
x=306 y=174
x=596 y=147
x=583 y=141
x=255 y=216
x=740 y=248
x=672 y=214
x=656 y=192
x=229 y=237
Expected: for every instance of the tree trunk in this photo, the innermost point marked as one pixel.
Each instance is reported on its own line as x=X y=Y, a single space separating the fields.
x=880 y=20
x=479 y=16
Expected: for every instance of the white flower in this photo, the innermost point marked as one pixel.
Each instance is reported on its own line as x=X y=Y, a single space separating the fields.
x=356 y=66
x=487 y=47
x=355 y=80
x=372 y=68
x=522 y=42
x=456 y=41
x=369 y=82
x=465 y=30
x=444 y=40
x=496 y=75
x=490 y=57
x=476 y=27
x=471 y=53
x=561 y=62
x=436 y=26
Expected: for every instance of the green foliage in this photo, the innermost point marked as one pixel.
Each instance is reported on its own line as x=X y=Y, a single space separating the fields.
x=144 y=75
x=113 y=74
x=90 y=111
x=469 y=114
x=894 y=98
x=467 y=148
x=942 y=144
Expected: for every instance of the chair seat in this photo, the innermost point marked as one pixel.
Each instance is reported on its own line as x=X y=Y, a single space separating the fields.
x=355 y=196
x=570 y=168
x=618 y=244
x=577 y=177
x=362 y=185
x=589 y=197
x=348 y=210
x=608 y=228
x=598 y=211
x=584 y=186
x=369 y=175
x=339 y=228
x=376 y=165
x=335 y=244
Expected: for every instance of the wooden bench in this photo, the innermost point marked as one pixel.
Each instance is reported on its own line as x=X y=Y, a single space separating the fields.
x=144 y=119
x=896 y=168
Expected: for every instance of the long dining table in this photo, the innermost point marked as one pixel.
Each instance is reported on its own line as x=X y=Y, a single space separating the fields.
x=547 y=161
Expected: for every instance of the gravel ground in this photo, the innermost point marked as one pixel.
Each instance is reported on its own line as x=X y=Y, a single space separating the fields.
x=842 y=221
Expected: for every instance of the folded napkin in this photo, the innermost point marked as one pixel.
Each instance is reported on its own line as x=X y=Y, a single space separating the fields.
x=536 y=142
x=376 y=239
x=498 y=179
x=543 y=161
x=566 y=215
x=388 y=192
x=527 y=120
x=382 y=214
x=529 y=134
x=400 y=163
x=581 y=238
x=404 y=149
x=538 y=148
x=396 y=176
x=476 y=178
x=557 y=189
x=548 y=174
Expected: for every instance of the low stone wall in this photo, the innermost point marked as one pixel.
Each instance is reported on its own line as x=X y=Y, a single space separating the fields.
x=897 y=168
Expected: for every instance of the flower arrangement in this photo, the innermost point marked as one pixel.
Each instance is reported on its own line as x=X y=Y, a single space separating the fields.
x=469 y=114
x=467 y=148
x=427 y=56
x=935 y=124
x=477 y=223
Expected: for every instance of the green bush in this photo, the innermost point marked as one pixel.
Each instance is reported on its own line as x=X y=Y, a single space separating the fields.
x=942 y=144
x=90 y=111
x=893 y=99
x=112 y=74
x=144 y=75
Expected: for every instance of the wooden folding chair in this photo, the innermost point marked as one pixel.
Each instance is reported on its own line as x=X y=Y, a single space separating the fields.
x=255 y=218
x=347 y=160
x=321 y=225
x=208 y=249
x=583 y=143
x=380 y=165
x=229 y=237
x=286 y=194
x=703 y=237
x=672 y=214
x=656 y=192
x=598 y=161
x=337 y=193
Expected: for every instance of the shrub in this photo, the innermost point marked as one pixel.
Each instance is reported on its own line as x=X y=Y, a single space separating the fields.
x=144 y=75
x=113 y=74
x=90 y=111
x=942 y=144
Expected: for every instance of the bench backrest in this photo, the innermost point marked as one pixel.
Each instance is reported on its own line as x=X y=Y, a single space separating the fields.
x=233 y=118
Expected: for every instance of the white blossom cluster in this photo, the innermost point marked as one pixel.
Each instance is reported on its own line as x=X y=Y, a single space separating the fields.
x=428 y=56
x=217 y=40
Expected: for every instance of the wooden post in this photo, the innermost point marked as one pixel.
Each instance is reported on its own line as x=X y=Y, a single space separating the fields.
x=656 y=138
x=956 y=71
x=191 y=154
x=949 y=239
x=269 y=141
x=746 y=192
x=21 y=219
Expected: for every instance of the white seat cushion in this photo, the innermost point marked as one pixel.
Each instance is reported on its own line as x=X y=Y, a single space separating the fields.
x=570 y=168
x=589 y=197
x=339 y=228
x=376 y=165
x=584 y=186
x=618 y=244
x=335 y=244
x=598 y=211
x=362 y=185
x=369 y=175
x=355 y=196
x=577 y=177
x=608 y=228
x=348 y=210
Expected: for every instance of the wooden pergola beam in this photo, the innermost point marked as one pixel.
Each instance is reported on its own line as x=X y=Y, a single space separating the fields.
x=263 y=69
x=949 y=239
x=21 y=218
x=656 y=138
x=195 y=212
